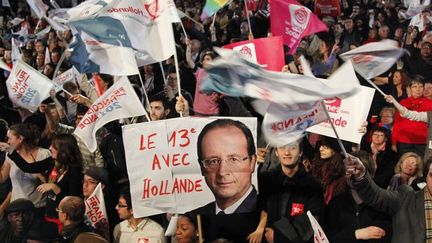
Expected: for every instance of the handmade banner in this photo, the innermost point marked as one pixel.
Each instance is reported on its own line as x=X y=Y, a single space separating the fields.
x=164 y=171
x=96 y=212
x=116 y=23
x=27 y=87
x=293 y=21
x=257 y=51
x=375 y=58
x=119 y=101
x=327 y=8
x=347 y=115
x=233 y=75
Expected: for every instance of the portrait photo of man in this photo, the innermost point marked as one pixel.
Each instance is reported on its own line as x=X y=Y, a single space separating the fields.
x=227 y=159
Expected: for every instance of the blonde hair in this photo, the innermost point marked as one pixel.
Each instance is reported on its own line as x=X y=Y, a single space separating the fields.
x=419 y=172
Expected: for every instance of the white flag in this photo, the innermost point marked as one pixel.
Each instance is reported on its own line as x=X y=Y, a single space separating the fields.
x=233 y=75
x=16 y=54
x=27 y=87
x=38 y=7
x=119 y=101
x=117 y=23
x=375 y=58
x=319 y=235
x=96 y=212
x=284 y=125
x=64 y=77
x=47 y=56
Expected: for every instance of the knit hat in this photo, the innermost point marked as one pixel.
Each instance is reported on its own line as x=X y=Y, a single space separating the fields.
x=99 y=174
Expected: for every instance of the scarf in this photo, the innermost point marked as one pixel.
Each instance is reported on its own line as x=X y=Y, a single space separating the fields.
x=428 y=214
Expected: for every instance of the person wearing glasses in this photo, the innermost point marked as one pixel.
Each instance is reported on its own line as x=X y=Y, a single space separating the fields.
x=226 y=154
x=133 y=229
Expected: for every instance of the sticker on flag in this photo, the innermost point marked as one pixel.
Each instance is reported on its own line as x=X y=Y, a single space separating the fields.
x=248 y=50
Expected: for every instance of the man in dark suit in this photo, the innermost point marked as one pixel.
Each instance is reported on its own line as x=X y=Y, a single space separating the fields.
x=226 y=153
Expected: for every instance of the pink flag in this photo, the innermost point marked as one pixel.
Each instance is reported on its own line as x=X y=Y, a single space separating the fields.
x=257 y=51
x=293 y=21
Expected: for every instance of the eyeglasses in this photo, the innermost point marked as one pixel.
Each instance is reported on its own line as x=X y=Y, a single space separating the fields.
x=171 y=78
x=121 y=206
x=214 y=163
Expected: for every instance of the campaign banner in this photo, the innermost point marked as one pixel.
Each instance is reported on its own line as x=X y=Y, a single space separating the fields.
x=27 y=87
x=163 y=167
x=119 y=101
x=96 y=212
x=327 y=8
x=347 y=115
x=257 y=51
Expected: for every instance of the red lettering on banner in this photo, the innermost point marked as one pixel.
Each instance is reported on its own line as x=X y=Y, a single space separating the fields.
x=147 y=144
x=283 y=125
x=170 y=160
x=183 y=137
x=162 y=188
x=92 y=118
x=340 y=122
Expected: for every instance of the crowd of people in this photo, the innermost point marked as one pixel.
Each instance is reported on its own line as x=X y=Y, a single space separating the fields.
x=380 y=193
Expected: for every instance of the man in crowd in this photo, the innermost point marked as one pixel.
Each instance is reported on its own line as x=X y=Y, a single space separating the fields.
x=289 y=192
x=71 y=212
x=226 y=153
x=134 y=229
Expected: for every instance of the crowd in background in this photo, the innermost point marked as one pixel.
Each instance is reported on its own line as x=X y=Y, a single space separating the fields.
x=47 y=172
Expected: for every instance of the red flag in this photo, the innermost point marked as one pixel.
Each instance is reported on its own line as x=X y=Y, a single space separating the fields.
x=257 y=51
x=98 y=84
x=293 y=21
x=252 y=5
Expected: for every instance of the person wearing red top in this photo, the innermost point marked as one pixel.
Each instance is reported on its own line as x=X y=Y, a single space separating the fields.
x=407 y=135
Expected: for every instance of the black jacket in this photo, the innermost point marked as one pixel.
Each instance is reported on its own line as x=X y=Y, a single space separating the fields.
x=286 y=201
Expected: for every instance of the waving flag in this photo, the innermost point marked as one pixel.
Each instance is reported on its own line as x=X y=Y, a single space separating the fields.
x=144 y=25
x=211 y=7
x=233 y=75
x=96 y=212
x=90 y=55
x=257 y=51
x=38 y=7
x=27 y=87
x=119 y=101
x=374 y=58
x=293 y=21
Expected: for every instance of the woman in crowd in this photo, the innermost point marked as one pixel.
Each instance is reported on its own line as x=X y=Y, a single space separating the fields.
x=23 y=139
x=401 y=85
x=407 y=170
x=187 y=230
x=328 y=168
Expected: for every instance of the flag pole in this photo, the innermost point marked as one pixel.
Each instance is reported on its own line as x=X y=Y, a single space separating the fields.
x=200 y=237
x=147 y=102
x=163 y=72
x=247 y=16
x=177 y=73
x=373 y=84
x=334 y=129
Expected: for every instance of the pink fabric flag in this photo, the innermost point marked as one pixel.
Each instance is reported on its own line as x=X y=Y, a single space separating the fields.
x=293 y=21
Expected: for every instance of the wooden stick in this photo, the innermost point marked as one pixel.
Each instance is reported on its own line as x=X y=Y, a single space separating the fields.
x=200 y=237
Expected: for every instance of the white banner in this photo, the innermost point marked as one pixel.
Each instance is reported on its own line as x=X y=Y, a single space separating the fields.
x=163 y=167
x=319 y=235
x=27 y=87
x=347 y=115
x=119 y=101
x=96 y=212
